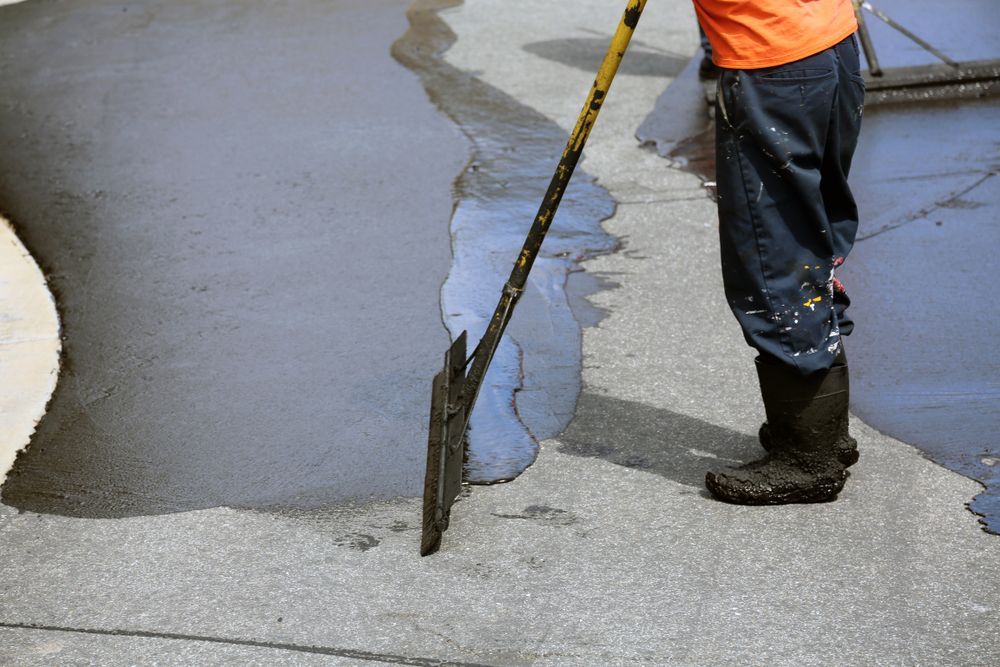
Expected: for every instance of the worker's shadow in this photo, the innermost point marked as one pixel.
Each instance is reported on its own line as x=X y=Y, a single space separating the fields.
x=639 y=436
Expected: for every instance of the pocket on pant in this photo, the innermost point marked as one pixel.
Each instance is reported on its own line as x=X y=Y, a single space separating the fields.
x=723 y=87
x=798 y=75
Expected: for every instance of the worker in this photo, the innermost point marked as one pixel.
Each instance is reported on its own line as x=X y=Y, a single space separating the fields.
x=707 y=71
x=788 y=114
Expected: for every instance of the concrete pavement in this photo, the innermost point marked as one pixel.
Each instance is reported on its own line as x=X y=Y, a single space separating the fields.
x=606 y=550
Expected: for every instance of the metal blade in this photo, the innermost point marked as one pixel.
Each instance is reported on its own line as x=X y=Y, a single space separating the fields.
x=445 y=446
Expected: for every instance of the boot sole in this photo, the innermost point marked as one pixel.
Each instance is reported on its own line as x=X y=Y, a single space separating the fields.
x=820 y=493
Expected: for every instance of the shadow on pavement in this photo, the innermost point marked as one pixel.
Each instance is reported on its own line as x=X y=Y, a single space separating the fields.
x=664 y=442
x=586 y=53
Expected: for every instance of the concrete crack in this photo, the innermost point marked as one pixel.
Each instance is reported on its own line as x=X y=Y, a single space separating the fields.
x=924 y=212
x=643 y=202
x=278 y=646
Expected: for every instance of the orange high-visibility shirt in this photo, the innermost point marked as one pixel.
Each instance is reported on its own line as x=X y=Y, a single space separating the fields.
x=747 y=34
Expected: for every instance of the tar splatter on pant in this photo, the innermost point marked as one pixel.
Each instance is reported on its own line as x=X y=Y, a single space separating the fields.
x=785 y=139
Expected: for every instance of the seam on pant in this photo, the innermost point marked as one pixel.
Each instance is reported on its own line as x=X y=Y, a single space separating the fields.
x=833 y=129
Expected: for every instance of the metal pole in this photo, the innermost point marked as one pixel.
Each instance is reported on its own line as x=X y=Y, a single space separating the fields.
x=866 y=41
x=571 y=155
x=922 y=43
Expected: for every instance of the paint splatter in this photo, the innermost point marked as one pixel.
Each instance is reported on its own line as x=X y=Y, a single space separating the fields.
x=811 y=303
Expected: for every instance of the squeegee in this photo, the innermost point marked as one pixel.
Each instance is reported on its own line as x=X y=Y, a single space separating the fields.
x=948 y=79
x=454 y=391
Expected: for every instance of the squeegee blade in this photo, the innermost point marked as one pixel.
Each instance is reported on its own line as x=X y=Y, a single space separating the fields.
x=445 y=451
x=919 y=83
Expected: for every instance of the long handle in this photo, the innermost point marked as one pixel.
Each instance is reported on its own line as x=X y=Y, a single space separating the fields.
x=882 y=15
x=512 y=290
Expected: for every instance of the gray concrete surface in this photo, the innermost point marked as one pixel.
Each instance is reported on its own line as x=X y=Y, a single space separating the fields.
x=607 y=550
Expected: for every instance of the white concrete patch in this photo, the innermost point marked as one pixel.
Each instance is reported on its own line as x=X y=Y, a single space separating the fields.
x=9 y=2
x=29 y=346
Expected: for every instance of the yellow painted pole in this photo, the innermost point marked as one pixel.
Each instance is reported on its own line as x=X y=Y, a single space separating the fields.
x=546 y=212
x=453 y=395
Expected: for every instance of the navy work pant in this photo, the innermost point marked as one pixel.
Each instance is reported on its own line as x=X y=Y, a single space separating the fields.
x=784 y=142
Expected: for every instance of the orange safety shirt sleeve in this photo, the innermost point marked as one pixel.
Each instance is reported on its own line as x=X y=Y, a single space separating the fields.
x=750 y=34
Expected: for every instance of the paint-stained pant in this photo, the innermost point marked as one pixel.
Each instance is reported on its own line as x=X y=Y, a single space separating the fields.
x=784 y=142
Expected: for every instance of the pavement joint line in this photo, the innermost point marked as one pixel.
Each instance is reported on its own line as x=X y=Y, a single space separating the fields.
x=660 y=201
x=279 y=646
x=924 y=212
x=936 y=174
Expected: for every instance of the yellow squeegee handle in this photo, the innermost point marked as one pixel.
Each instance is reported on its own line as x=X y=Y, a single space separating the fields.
x=577 y=139
x=574 y=149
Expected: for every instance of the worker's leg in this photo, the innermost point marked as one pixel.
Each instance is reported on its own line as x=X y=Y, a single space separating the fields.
x=787 y=219
x=785 y=136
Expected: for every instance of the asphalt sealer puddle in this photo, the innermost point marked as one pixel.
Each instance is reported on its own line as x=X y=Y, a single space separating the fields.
x=530 y=391
x=200 y=375
x=216 y=207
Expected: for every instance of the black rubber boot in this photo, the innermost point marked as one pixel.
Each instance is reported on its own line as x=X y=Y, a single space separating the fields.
x=845 y=446
x=805 y=417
